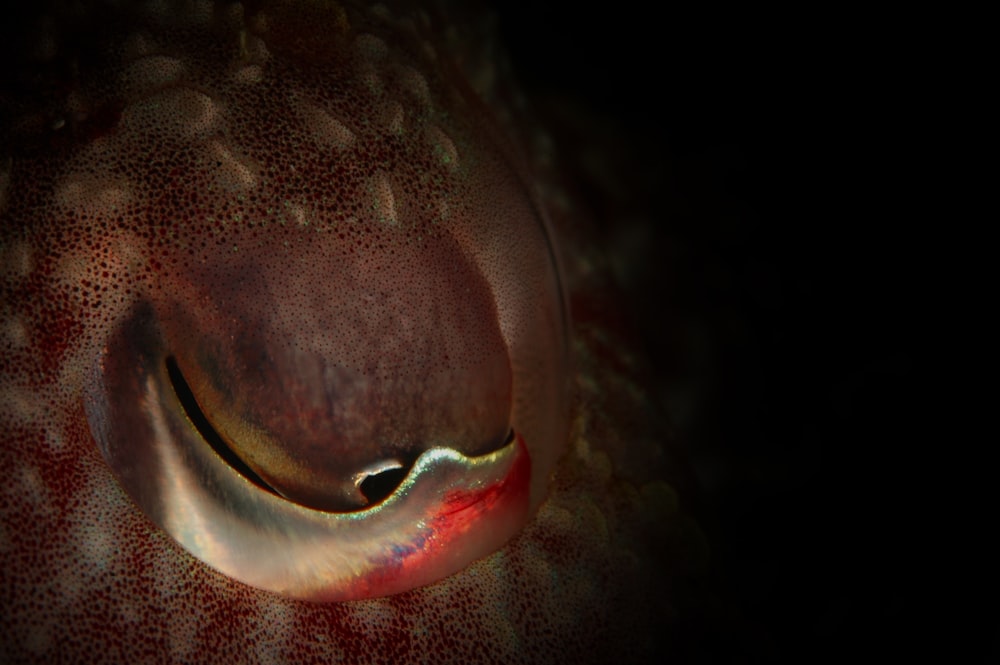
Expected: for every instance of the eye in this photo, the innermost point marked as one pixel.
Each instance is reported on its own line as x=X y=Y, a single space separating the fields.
x=343 y=372
x=305 y=439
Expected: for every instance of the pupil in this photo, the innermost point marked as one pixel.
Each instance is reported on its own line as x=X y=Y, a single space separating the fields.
x=378 y=486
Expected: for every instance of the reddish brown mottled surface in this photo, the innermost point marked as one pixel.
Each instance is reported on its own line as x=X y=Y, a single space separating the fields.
x=195 y=156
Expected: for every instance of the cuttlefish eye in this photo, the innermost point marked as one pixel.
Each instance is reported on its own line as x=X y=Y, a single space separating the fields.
x=341 y=371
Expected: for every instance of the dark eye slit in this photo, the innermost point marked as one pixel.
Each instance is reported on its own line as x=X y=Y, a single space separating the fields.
x=379 y=486
x=204 y=427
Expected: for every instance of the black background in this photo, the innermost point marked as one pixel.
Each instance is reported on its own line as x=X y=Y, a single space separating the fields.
x=780 y=283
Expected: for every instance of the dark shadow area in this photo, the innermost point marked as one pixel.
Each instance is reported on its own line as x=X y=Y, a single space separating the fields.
x=742 y=170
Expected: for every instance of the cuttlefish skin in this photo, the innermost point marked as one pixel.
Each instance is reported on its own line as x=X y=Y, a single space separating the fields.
x=140 y=178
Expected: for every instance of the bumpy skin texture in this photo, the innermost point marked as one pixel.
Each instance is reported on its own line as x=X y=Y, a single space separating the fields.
x=86 y=576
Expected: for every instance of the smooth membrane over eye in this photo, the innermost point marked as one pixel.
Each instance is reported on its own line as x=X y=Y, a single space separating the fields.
x=343 y=373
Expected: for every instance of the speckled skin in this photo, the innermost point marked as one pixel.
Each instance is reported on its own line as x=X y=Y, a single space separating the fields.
x=86 y=576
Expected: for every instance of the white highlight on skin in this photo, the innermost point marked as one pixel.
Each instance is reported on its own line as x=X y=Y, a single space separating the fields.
x=249 y=75
x=178 y=113
x=149 y=73
x=254 y=50
x=295 y=213
x=442 y=145
x=326 y=130
x=54 y=440
x=16 y=260
x=392 y=118
x=370 y=47
x=98 y=545
x=20 y=404
x=14 y=333
x=416 y=84
x=369 y=77
x=32 y=488
x=232 y=173
x=385 y=200
x=92 y=197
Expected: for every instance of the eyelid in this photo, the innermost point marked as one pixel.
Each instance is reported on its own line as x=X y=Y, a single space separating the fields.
x=448 y=505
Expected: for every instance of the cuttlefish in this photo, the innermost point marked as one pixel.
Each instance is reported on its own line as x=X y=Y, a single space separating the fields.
x=308 y=355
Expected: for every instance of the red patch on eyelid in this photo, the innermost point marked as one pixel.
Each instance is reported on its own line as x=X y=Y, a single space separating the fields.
x=513 y=488
x=503 y=505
